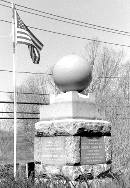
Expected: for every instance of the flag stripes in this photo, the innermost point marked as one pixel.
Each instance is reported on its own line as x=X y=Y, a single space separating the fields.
x=25 y=36
x=35 y=55
x=35 y=40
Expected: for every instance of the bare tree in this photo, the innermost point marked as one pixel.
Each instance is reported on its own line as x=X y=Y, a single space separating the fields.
x=106 y=64
x=111 y=87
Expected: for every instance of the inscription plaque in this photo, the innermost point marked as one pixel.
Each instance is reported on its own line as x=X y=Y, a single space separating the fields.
x=92 y=150
x=53 y=150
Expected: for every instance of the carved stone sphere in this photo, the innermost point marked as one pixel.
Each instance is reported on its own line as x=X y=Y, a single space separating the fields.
x=72 y=73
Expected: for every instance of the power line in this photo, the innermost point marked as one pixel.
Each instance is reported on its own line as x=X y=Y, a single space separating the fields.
x=39 y=118
x=78 y=37
x=25 y=93
x=17 y=118
x=6 y=1
x=10 y=71
x=72 y=36
x=78 y=21
x=31 y=103
x=6 y=21
x=36 y=103
x=67 y=20
x=126 y=106
x=76 y=24
x=33 y=113
x=5 y=5
x=38 y=73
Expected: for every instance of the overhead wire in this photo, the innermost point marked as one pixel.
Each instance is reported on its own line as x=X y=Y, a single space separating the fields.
x=93 y=26
x=10 y=112
x=6 y=118
x=17 y=118
x=5 y=5
x=25 y=93
x=73 y=36
x=38 y=103
x=39 y=73
x=76 y=24
x=31 y=103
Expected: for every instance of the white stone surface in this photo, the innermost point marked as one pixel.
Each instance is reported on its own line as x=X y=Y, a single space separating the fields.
x=71 y=96
x=72 y=73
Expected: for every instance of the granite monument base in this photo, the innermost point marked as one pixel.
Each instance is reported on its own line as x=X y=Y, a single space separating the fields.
x=72 y=148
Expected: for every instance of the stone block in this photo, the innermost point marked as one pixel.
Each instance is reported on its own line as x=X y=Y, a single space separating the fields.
x=58 y=150
x=38 y=149
x=100 y=168
x=72 y=149
x=108 y=148
x=92 y=150
x=51 y=170
x=77 y=105
x=72 y=127
x=73 y=172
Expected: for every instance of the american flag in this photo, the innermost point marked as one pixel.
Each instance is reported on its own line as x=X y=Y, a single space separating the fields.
x=25 y=36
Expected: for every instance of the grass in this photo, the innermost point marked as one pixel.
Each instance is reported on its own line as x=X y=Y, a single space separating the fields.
x=106 y=180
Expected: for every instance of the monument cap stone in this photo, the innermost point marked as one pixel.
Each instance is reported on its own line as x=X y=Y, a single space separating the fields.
x=72 y=73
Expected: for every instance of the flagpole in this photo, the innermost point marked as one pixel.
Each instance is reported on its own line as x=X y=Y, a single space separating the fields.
x=14 y=88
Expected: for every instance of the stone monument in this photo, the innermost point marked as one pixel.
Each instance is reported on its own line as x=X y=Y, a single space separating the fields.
x=71 y=138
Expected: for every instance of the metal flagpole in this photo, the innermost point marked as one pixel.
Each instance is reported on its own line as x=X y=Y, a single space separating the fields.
x=14 y=86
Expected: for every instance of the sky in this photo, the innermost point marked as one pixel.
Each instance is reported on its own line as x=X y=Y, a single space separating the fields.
x=114 y=14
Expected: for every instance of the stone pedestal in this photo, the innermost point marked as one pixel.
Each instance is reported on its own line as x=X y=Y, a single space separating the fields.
x=71 y=138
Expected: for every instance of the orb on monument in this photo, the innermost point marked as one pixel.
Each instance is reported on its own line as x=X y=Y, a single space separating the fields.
x=72 y=73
